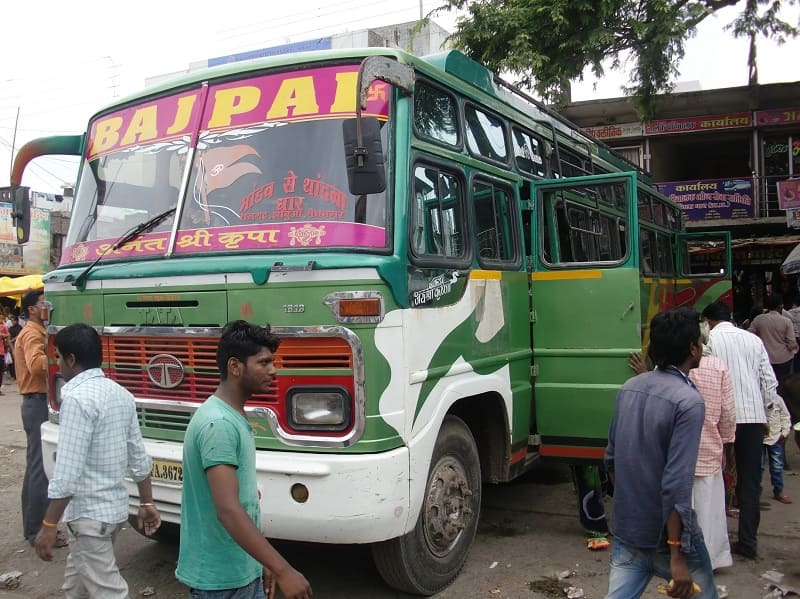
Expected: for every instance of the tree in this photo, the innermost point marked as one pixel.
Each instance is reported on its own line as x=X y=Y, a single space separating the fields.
x=547 y=43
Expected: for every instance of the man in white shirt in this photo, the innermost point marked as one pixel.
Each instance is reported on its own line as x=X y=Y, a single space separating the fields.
x=99 y=441
x=754 y=391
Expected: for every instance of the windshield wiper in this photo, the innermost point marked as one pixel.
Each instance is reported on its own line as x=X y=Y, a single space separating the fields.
x=129 y=235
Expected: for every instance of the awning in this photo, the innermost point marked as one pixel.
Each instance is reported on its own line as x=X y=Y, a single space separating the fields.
x=16 y=287
x=791 y=265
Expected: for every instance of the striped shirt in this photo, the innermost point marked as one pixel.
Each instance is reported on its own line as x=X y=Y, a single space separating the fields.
x=754 y=383
x=719 y=426
x=99 y=442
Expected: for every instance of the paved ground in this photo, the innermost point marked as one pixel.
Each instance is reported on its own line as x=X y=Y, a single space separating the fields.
x=528 y=533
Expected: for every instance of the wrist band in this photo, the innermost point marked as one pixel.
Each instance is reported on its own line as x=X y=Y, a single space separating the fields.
x=47 y=524
x=673 y=543
x=148 y=504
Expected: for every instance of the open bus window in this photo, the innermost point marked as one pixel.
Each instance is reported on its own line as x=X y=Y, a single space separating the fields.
x=703 y=257
x=645 y=211
x=486 y=135
x=494 y=223
x=435 y=114
x=585 y=229
x=437 y=217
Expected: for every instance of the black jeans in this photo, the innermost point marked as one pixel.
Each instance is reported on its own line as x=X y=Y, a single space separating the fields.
x=34 y=485
x=748 y=448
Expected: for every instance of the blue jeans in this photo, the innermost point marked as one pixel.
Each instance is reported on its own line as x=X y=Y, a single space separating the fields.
x=632 y=569
x=774 y=455
x=254 y=590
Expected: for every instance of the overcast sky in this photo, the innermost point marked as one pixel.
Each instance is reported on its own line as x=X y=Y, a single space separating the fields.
x=61 y=61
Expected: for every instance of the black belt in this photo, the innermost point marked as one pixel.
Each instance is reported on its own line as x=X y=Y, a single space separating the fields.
x=34 y=396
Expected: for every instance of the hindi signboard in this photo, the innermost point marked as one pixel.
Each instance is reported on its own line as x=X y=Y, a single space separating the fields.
x=712 y=199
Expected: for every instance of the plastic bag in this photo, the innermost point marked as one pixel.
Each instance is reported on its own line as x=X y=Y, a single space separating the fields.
x=9 y=359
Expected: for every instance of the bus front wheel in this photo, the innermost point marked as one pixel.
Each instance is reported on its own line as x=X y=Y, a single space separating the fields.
x=429 y=557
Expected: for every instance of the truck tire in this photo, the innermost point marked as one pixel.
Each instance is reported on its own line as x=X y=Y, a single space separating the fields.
x=429 y=557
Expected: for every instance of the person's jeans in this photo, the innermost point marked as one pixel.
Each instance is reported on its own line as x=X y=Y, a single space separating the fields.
x=254 y=590
x=748 y=448
x=773 y=454
x=34 y=483
x=632 y=569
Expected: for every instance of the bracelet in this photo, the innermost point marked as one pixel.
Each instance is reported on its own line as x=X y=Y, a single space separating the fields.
x=148 y=504
x=47 y=524
x=673 y=543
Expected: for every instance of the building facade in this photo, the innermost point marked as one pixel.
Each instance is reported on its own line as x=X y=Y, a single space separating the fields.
x=731 y=158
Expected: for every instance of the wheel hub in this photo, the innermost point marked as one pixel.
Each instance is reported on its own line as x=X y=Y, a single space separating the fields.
x=447 y=506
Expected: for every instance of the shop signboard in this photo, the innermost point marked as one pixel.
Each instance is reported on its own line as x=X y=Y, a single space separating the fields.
x=712 y=199
x=34 y=256
x=782 y=116
x=789 y=194
x=615 y=131
x=699 y=123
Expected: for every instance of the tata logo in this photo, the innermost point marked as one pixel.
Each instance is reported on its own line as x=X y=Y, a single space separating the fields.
x=165 y=371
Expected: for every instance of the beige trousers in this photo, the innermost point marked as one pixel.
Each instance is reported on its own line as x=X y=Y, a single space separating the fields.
x=91 y=570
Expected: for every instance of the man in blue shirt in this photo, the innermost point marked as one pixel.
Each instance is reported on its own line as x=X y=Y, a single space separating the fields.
x=652 y=452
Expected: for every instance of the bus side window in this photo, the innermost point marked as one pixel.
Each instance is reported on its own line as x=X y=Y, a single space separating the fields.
x=666 y=263
x=646 y=252
x=494 y=223
x=437 y=219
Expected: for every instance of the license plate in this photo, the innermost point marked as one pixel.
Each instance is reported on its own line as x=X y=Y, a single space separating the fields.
x=165 y=470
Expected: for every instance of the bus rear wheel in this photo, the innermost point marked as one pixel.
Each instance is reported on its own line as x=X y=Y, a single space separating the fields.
x=428 y=558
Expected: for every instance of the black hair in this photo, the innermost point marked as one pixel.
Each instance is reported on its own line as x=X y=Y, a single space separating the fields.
x=83 y=342
x=717 y=311
x=672 y=334
x=29 y=300
x=773 y=302
x=241 y=339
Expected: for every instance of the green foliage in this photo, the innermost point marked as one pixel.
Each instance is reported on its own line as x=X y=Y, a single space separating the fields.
x=547 y=43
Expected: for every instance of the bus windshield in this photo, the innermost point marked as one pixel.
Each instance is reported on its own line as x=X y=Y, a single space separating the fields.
x=255 y=183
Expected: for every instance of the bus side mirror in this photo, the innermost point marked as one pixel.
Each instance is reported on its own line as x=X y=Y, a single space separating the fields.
x=366 y=172
x=20 y=200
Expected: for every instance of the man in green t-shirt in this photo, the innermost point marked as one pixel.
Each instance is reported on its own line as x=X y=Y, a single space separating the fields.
x=223 y=551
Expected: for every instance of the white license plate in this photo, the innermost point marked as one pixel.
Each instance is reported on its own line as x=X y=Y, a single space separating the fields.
x=167 y=471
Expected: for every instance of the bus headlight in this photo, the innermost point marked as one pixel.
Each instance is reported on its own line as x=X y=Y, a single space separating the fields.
x=318 y=408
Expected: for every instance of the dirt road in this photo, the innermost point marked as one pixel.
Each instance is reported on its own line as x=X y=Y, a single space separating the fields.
x=528 y=533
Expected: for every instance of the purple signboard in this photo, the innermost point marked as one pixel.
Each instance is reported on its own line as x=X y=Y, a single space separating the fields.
x=711 y=199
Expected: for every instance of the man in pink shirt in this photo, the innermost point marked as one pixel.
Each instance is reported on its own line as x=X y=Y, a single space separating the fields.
x=713 y=381
x=777 y=333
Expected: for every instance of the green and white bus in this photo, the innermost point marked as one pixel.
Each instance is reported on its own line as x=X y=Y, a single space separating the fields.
x=457 y=275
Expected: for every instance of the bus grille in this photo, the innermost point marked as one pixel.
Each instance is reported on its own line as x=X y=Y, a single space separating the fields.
x=127 y=358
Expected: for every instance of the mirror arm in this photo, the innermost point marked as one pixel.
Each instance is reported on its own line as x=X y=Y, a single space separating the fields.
x=381 y=68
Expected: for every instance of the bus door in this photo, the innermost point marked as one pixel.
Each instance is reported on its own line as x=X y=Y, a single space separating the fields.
x=704 y=269
x=586 y=305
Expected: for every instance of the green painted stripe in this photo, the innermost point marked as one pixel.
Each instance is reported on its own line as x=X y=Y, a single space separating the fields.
x=587 y=386
x=610 y=352
x=478 y=364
